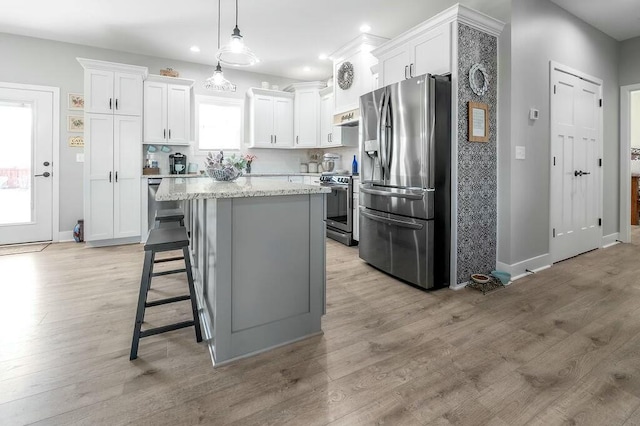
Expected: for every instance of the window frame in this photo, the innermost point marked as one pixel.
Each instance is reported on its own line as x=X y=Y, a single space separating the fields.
x=221 y=101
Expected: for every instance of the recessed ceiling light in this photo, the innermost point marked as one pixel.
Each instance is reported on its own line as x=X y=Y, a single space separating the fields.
x=364 y=28
x=323 y=57
x=307 y=69
x=195 y=49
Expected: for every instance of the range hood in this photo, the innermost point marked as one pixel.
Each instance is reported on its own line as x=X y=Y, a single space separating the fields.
x=347 y=118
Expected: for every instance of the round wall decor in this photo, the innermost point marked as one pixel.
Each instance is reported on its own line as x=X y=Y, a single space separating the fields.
x=478 y=79
x=345 y=75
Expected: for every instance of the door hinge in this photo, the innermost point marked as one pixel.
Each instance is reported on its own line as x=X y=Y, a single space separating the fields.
x=599 y=221
x=554 y=89
x=600 y=103
x=554 y=232
x=600 y=162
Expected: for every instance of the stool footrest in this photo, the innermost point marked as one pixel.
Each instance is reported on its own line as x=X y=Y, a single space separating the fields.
x=165 y=328
x=167 y=300
x=168 y=259
x=174 y=271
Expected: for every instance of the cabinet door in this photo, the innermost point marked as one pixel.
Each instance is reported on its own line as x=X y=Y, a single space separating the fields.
x=356 y=217
x=155 y=112
x=98 y=177
x=306 y=116
x=262 y=122
x=127 y=94
x=127 y=162
x=98 y=92
x=326 y=120
x=179 y=117
x=395 y=66
x=431 y=52
x=283 y=122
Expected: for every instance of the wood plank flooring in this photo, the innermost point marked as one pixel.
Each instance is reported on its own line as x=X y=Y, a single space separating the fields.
x=558 y=347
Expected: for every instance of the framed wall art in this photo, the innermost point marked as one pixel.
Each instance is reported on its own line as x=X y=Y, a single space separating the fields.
x=76 y=141
x=75 y=123
x=478 y=122
x=75 y=101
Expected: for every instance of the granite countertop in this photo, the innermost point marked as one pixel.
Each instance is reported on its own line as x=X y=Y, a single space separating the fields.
x=175 y=189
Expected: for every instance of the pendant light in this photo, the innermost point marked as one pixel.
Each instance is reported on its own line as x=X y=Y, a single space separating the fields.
x=217 y=82
x=237 y=53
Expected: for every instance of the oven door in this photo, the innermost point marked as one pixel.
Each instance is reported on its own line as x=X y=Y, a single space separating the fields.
x=339 y=208
x=398 y=245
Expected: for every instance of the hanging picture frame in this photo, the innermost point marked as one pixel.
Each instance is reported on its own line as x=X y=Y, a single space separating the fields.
x=75 y=123
x=478 y=122
x=75 y=101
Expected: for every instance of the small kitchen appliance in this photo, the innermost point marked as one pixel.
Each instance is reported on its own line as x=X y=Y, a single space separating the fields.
x=177 y=164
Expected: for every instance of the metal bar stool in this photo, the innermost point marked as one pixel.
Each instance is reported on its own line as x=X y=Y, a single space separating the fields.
x=161 y=240
x=168 y=216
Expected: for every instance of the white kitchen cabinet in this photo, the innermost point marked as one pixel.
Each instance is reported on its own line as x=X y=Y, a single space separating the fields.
x=113 y=152
x=424 y=49
x=112 y=176
x=312 y=180
x=167 y=110
x=356 y=209
x=330 y=135
x=270 y=118
x=306 y=113
x=296 y=179
x=112 y=88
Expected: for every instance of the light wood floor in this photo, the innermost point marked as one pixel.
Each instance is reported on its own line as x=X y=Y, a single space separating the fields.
x=558 y=347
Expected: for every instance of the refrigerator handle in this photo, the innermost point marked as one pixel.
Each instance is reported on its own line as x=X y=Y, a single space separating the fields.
x=389 y=137
x=431 y=130
x=380 y=134
x=384 y=142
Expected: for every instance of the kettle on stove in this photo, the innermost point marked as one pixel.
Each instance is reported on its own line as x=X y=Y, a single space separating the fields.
x=177 y=164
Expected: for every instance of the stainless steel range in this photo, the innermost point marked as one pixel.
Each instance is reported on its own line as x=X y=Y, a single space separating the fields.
x=339 y=208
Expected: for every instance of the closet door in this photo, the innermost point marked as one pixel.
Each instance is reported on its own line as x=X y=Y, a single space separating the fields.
x=127 y=161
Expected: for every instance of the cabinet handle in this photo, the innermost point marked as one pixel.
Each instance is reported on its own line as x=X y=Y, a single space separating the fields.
x=271 y=136
x=169 y=133
x=410 y=73
x=116 y=103
x=116 y=177
x=331 y=137
x=297 y=140
x=109 y=177
x=406 y=68
x=110 y=100
x=275 y=139
x=164 y=133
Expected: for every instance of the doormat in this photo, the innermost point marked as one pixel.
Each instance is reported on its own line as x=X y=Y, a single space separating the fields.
x=22 y=248
x=492 y=285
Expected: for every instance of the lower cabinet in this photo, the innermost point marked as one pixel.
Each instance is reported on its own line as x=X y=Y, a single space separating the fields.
x=356 y=209
x=113 y=158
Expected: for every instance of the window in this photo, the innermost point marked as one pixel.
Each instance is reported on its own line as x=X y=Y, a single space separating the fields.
x=219 y=123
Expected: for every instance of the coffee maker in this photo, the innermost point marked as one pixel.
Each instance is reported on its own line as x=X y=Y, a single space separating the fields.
x=177 y=164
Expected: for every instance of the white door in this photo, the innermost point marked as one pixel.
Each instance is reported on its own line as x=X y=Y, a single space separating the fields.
x=283 y=122
x=26 y=165
x=127 y=93
x=262 y=121
x=306 y=118
x=178 y=113
x=155 y=112
x=98 y=92
x=576 y=177
x=99 y=177
x=127 y=157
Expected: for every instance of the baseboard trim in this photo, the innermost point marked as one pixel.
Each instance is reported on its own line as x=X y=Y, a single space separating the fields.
x=526 y=267
x=460 y=286
x=114 y=242
x=610 y=240
x=65 y=236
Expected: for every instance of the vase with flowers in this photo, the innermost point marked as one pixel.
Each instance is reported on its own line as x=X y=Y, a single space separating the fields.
x=248 y=158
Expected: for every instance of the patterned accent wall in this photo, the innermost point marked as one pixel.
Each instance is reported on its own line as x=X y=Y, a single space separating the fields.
x=477 y=161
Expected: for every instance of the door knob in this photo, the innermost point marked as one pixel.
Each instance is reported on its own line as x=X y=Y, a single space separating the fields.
x=45 y=174
x=580 y=173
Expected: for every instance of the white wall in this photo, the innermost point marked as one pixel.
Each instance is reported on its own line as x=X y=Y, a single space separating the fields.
x=629 y=72
x=540 y=32
x=635 y=119
x=35 y=61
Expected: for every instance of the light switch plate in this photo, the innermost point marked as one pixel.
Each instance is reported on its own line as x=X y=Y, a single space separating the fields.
x=80 y=157
x=534 y=114
x=520 y=153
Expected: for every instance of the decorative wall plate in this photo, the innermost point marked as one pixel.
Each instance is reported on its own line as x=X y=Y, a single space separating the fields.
x=478 y=79
x=345 y=75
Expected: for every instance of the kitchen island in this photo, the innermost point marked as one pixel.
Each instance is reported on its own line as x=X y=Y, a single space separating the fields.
x=258 y=249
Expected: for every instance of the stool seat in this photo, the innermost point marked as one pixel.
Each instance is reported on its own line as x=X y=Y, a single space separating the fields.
x=169 y=215
x=165 y=239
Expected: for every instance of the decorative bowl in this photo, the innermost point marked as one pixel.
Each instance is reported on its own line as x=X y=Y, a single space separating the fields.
x=480 y=278
x=225 y=174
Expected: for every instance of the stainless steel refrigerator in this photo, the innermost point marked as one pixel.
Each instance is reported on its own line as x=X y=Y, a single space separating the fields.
x=405 y=203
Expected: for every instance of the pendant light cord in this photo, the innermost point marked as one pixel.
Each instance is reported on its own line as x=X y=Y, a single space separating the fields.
x=218 y=24
x=236 y=13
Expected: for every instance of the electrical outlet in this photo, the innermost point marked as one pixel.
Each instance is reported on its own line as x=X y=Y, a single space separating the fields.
x=520 y=153
x=80 y=157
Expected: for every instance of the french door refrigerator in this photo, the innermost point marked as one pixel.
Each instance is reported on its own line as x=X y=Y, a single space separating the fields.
x=405 y=191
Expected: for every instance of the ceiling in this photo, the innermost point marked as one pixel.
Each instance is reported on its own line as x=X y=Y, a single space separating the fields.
x=619 y=19
x=287 y=35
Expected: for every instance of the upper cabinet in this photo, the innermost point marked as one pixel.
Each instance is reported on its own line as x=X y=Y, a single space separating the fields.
x=330 y=135
x=270 y=118
x=306 y=113
x=112 y=88
x=167 y=110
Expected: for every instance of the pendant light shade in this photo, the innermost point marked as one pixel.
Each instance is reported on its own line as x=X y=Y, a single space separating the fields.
x=217 y=82
x=236 y=53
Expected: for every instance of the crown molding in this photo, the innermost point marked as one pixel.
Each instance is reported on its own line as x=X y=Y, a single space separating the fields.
x=95 y=64
x=170 y=80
